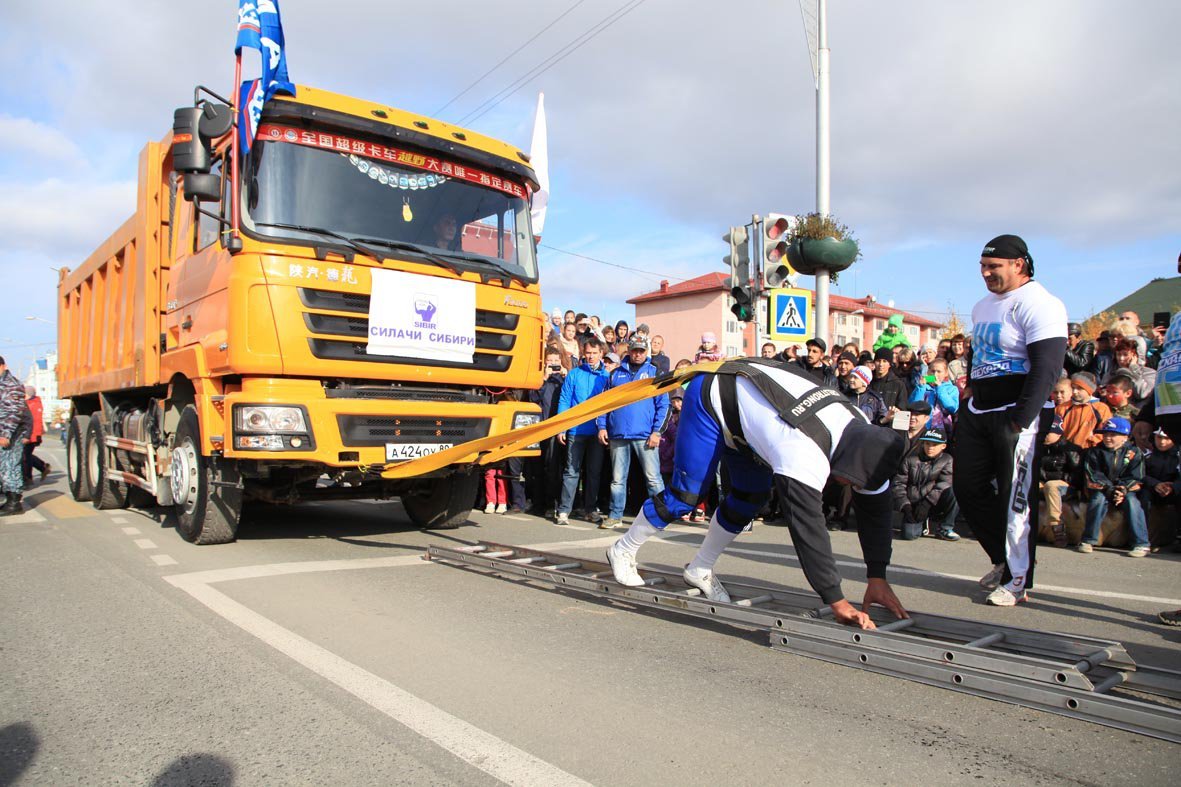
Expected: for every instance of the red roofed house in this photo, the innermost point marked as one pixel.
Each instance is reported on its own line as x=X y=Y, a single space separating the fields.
x=682 y=312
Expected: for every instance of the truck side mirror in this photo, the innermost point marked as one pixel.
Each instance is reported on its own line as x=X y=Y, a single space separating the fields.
x=190 y=153
x=193 y=131
x=202 y=186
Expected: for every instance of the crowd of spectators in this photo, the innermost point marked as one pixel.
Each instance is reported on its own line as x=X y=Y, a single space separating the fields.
x=1089 y=458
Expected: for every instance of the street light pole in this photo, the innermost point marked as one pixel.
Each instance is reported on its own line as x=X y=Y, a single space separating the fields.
x=822 y=155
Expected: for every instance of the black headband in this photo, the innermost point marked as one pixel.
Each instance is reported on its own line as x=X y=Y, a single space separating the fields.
x=1008 y=247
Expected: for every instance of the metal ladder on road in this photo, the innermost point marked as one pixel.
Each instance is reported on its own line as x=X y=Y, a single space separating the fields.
x=1082 y=677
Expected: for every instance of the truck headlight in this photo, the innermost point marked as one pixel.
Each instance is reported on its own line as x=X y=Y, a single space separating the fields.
x=265 y=427
x=269 y=420
x=521 y=420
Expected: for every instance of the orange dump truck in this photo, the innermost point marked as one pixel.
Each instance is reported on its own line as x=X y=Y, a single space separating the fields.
x=298 y=321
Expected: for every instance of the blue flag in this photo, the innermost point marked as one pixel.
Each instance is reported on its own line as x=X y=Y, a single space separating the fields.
x=259 y=27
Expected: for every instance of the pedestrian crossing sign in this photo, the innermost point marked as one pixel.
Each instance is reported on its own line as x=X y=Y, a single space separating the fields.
x=790 y=314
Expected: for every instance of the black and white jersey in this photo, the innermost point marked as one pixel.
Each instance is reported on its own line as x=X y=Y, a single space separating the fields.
x=786 y=450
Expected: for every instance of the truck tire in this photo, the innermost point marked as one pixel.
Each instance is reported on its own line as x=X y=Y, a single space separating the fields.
x=207 y=493
x=80 y=488
x=105 y=493
x=443 y=503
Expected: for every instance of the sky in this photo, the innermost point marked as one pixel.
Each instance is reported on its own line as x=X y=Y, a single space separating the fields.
x=671 y=120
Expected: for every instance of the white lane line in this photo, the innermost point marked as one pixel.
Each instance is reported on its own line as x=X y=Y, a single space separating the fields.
x=31 y=515
x=118 y=520
x=131 y=531
x=518 y=518
x=145 y=543
x=481 y=749
x=163 y=560
x=1172 y=603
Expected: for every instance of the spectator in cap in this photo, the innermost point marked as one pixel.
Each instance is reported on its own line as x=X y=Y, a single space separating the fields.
x=632 y=430
x=657 y=355
x=1084 y=414
x=886 y=384
x=1114 y=475
x=922 y=489
x=862 y=396
x=1080 y=353
x=708 y=351
x=893 y=335
x=813 y=363
x=611 y=360
x=920 y=420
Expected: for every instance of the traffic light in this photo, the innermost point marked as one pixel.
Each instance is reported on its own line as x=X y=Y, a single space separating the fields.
x=739 y=261
x=777 y=230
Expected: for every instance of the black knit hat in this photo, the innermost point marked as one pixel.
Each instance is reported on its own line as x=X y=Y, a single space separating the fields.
x=884 y=354
x=1008 y=247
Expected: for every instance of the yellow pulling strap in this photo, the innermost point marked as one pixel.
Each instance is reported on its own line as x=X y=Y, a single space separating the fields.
x=496 y=447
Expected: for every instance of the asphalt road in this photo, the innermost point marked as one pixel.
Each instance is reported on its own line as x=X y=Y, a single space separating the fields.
x=320 y=649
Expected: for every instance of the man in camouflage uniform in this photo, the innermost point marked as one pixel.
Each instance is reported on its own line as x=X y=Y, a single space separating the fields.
x=15 y=426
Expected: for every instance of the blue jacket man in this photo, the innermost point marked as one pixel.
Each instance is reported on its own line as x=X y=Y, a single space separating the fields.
x=582 y=382
x=634 y=429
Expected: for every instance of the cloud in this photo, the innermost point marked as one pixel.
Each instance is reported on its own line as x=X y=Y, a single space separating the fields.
x=21 y=137
x=63 y=220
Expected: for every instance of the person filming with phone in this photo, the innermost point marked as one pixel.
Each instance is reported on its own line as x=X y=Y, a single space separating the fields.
x=936 y=389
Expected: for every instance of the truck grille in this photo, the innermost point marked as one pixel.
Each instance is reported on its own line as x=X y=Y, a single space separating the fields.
x=494 y=348
x=373 y=430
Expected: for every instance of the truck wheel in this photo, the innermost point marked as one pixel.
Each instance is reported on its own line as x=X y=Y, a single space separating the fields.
x=80 y=488
x=105 y=493
x=206 y=493
x=442 y=503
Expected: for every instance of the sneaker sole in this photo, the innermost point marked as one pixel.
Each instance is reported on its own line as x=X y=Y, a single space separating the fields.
x=1020 y=600
x=611 y=564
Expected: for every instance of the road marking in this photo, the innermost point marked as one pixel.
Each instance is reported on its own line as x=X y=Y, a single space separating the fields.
x=518 y=518
x=30 y=515
x=1172 y=603
x=118 y=520
x=145 y=543
x=481 y=749
x=163 y=560
x=131 y=531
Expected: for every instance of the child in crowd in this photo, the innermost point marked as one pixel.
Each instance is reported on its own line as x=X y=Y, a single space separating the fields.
x=1114 y=473
x=1084 y=414
x=862 y=396
x=708 y=351
x=1162 y=479
x=668 y=435
x=495 y=492
x=922 y=489
x=1061 y=460
x=1118 y=395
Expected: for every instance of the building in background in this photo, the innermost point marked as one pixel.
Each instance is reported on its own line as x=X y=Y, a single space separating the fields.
x=682 y=312
x=43 y=376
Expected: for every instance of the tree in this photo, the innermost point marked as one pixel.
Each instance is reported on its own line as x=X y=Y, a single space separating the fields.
x=953 y=325
x=1096 y=323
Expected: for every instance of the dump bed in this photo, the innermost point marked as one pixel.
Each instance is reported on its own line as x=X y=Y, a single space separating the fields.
x=109 y=308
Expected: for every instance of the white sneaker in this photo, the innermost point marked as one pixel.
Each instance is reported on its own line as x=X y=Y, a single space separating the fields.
x=707 y=582
x=490 y=509
x=623 y=566
x=502 y=509
x=562 y=519
x=993 y=578
x=1003 y=597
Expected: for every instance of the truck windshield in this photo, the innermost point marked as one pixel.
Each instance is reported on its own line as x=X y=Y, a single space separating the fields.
x=475 y=220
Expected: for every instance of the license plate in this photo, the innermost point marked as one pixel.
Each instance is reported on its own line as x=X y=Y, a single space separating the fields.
x=395 y=451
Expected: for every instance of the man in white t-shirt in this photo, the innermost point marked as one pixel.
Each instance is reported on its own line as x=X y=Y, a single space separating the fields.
x=1018 y=346
x=771 y=423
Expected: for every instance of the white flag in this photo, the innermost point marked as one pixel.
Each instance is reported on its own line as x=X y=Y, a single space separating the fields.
x=539 y=156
